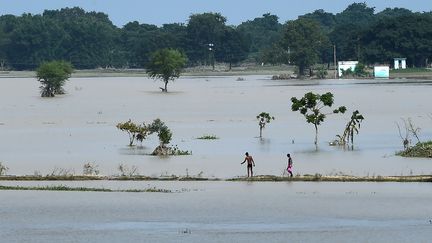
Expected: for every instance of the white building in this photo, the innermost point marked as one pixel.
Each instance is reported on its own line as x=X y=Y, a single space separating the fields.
x=382 y=71
x=399 y=63
x=345 y=65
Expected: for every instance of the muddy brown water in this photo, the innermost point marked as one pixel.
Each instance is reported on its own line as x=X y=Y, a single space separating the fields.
x=220 y=212
x=40 y=134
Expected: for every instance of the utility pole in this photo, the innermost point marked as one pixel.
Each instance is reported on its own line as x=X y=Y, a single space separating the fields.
x=211 y=52
x=334 y=62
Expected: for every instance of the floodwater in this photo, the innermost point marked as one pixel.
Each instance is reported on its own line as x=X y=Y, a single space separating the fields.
x=220 y=212
x=40 y=134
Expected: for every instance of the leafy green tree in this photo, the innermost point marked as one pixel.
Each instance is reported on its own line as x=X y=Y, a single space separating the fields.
x=166 y=64
x=3 y=44
x=233 y=47
x=352 y=128
x=162 y=130
x=348 y=32
x=347 y=39
x=311 y=106
x=135 y=131
x=303 y=39
x=53 y=75
x=164 y=135
x=326 y=20
x=393 y=12
x=263 y=119
x=34 y=39
x=261 y=33
x=90 y=37
x=274 y=55
x=356 y=13
x=139 y=41
x=322 y=72
x=360 y=70
x=204 y=29
x=407 y=36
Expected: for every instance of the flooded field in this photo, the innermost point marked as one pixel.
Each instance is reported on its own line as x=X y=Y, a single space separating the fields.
x=271 y=212
x=40 y=134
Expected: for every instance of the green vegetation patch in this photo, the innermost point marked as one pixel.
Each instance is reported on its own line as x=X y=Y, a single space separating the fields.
x=208 y=137
x=420 y=150
x=80 y=189
x=411 y=70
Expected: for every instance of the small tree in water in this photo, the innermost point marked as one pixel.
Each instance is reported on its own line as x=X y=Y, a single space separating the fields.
x=352 y=127
x=263 y=119
x=53 y=76
x=3 y=169
x=311 y=106
x=134 y=131
x=90 y=169
x=166 y=64
x=164 y=135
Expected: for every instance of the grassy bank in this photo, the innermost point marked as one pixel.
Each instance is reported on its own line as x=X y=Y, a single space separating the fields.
x=98 y=178
x=258 y=178
x=341 y=178
x=204 y=71
x=220 y=70
x=74 y=189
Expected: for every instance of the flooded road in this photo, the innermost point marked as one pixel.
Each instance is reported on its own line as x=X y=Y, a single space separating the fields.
x=220 y=212
x=40 y=134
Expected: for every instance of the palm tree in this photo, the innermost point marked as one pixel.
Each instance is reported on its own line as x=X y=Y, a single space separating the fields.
x=352 y=127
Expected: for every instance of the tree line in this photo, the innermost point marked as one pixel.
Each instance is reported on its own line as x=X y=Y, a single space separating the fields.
x=90 y=40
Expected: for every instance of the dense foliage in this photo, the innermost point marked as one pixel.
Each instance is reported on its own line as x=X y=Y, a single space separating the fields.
x=53 y=75
x=303 y=40
x=91 y=40
x=166 y=64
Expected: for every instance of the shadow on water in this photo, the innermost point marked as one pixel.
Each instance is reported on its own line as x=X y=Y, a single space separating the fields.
x=158 y=92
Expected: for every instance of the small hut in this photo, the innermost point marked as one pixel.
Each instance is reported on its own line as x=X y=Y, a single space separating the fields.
x=399 y=63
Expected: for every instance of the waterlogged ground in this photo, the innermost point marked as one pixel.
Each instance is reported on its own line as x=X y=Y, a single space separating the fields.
x=40 y=134
x=220 y=212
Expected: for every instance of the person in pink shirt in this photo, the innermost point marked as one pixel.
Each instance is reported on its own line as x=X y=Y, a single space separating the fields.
x=290 y=165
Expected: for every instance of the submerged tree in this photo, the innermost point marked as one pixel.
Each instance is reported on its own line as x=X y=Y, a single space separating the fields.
x=166 y=64
x=90 y=168
x=135 y=131
x=311 y=106
x=164 y=135
x=127 y=171
x=352 y=127
x=3 y=169
x=263 y=119
x=53 y=76
x=162 y=130
x=411 y=130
